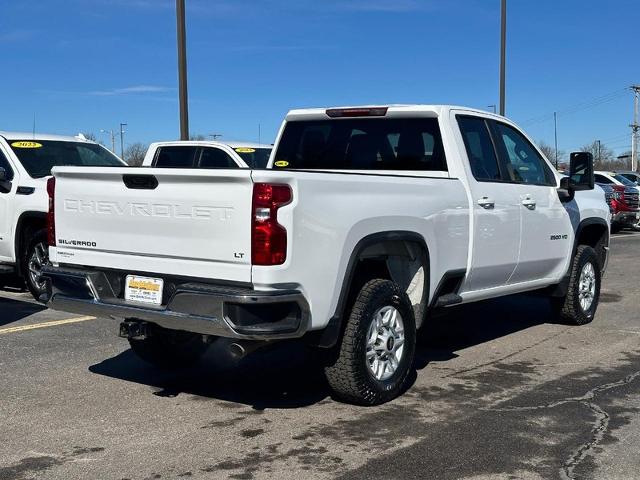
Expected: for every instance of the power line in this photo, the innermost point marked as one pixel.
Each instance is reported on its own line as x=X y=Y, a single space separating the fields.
x=594 y=102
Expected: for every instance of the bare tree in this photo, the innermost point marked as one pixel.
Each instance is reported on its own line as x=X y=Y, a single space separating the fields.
x=603 y=156
x=550 y=153
x=92 y=137
x=198 y=137
x=134 y=154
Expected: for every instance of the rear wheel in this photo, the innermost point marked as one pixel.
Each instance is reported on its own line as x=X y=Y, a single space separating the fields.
x=35 y=256
x=375 y=354
x=169 y=348
x=579 y=305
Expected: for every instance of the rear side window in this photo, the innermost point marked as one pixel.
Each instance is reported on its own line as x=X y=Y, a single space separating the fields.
x=176 y=157
x=4 y=163
x=362 y=144
x=480 y=150
x=215 y=158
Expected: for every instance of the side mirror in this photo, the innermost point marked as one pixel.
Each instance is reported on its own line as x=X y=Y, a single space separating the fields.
x=581 y=175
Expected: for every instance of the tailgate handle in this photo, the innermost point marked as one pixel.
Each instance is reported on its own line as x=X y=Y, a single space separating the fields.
x=140 y=182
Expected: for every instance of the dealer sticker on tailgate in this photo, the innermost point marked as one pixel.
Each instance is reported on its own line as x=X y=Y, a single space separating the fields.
x=143 y=289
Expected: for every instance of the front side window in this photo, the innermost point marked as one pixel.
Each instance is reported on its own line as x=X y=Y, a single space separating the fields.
x=38 y=157
x=4 y=163
x=362 y=144
x=523 y=162
x=602 y=179
x=215 y=158
x=480 y=151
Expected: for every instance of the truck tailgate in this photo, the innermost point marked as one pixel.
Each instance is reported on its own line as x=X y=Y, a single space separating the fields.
x=164 y=221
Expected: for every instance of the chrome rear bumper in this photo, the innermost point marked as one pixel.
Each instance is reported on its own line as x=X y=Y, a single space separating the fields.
x=196 y=307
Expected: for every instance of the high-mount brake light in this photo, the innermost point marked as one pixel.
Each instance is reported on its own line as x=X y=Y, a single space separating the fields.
x=268 y=237
x=51 y=214
x=357 y=112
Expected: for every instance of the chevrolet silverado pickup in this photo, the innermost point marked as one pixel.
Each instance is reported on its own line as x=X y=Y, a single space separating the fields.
x=26 y=160
x=365 y=222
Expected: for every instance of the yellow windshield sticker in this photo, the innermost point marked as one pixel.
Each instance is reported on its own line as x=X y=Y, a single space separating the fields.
x=281 y=163
x=26 y=145
x=245 y=150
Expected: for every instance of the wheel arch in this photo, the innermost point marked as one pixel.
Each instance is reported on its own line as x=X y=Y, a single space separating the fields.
x=28 y=222
x=368 y=259
x=593 y=232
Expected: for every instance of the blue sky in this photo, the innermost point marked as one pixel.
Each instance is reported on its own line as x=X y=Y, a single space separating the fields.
x=87 y=65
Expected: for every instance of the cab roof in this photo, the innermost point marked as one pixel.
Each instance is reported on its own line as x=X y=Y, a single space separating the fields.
x=42 y=136
x=392 y=110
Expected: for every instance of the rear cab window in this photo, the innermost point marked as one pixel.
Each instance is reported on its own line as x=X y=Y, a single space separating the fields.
x=408 y=144
x=480 y=150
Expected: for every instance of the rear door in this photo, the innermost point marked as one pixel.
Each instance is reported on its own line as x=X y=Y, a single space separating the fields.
x=496 y=209
x=547 y=234
x=194 y=223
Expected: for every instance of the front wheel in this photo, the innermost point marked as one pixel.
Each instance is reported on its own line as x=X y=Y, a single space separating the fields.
x=169 y=349
x=34 y=258
x=375 y=354
x=579 y=305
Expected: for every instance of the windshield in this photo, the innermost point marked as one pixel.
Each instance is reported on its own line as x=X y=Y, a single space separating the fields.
x=624 y=180
x=38 y=157
x=254 y=157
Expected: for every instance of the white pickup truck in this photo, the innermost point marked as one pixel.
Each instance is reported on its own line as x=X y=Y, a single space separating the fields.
x=26 y=160
x=366 y=220
x=205 y=154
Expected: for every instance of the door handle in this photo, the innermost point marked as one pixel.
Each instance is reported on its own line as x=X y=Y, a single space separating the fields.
x=486 y=202
x=529 y=203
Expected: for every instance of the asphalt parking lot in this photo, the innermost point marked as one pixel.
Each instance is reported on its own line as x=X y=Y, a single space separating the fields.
x=498 y=393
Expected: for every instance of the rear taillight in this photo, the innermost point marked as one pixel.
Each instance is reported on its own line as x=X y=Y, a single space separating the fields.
x=268 y=237
x=51 y=217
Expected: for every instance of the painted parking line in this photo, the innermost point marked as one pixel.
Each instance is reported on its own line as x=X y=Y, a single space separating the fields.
x=53 y=323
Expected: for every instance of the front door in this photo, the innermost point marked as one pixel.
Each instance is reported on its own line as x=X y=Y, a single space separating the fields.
x=496 y=210
x=547 y=235
x=6 y=216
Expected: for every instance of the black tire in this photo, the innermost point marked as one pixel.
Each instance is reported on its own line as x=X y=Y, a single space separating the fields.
x=348 y=373
x=30 y=263
x=568 y=308
x=169 y=349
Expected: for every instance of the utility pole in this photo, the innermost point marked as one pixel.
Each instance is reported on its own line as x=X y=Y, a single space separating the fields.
x=122 y=125
x=503 y=53
x=182 y=70
x=635 y=128
x=555 y=134
x=492 y=107
x=113 y=138
x=598 y=151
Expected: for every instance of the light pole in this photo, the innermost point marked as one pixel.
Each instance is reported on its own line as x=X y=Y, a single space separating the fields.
x=113 y=138
x=182 y=70
x=555 y=135
x=122 y=125
x=503 y=53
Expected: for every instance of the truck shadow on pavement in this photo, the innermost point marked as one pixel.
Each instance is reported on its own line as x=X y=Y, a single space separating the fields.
x=289 y=375
x=13 y=310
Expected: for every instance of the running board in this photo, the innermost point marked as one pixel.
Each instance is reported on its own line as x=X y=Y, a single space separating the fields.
x=448 y=300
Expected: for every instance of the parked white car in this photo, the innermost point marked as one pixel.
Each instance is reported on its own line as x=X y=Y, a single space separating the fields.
x=368 y=220
x=203 y=154
x=26 y=161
